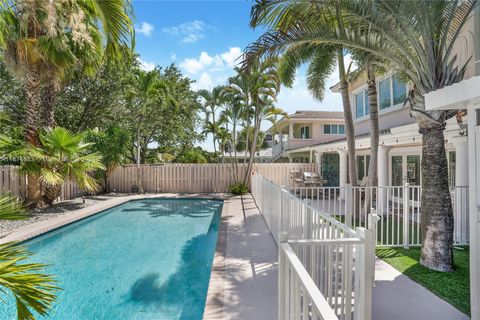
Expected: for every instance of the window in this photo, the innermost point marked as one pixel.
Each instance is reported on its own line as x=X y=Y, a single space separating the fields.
x=305 y=132
x=384 y=98
x=333 y=129
x=399 y=90
x=361 y=104
x=362 y=166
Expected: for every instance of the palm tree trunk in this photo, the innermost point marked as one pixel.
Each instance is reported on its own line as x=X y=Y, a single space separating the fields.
x=247 y=138
x=347 y=112
x=436 y=211
x=256 y=129
x=32 y=86
x=49 y=105
x=374 y=127
x=139 y=179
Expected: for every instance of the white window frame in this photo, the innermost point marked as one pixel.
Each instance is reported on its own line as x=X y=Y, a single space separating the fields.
x=336 y=125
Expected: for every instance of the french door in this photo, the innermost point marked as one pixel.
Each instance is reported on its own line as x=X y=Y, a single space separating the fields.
x=405 y=169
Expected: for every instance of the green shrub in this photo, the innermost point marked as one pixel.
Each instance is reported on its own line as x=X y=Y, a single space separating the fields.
x=238 y=188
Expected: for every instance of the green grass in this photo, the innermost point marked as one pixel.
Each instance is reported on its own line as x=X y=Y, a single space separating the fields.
x=453 y=287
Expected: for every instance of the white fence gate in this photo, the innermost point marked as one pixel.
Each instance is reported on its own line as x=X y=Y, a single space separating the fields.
x=326 y=269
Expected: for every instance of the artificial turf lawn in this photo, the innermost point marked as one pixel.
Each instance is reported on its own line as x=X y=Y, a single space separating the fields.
x=453 y=287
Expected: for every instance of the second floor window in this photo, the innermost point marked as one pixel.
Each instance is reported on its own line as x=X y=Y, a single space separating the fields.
x=305 y=132
x=391 y=92
x=361 y=104
x=333 y=129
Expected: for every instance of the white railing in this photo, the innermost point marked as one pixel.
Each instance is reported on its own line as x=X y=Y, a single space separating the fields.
x=336 y=259
x=398 y=208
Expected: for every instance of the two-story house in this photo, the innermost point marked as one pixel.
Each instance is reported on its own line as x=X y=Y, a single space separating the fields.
x=301 y=130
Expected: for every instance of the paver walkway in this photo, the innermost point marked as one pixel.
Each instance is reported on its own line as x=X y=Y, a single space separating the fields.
x=250 y=290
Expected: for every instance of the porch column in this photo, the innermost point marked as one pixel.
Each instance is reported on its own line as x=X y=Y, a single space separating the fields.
x=460 y=192
x=461 y=161
x=318 y=160
x=290 y=130
x=382 y=173
x=343 y=170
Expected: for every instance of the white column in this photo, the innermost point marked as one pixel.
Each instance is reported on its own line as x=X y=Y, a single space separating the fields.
x=318 y=160
x=290 y=130
x=461 y=161
x=343 y=172
x=460 y=193
x=382 y=171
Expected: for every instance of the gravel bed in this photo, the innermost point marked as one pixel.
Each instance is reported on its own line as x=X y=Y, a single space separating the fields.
x=58 y=209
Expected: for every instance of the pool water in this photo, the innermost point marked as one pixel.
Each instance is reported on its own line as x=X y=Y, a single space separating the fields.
x=145 y=259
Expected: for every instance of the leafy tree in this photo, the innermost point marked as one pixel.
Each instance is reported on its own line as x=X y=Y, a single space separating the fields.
x=31 y=289
x=192 y=156
x=42 y=39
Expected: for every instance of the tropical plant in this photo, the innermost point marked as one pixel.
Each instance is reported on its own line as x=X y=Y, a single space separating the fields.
x=42 y=39
x=212 y=101
x=285 y=17
x=113 y=146
x=60 y=156
x=238 y=189
x=255 y=87
x=417 y=39
x=24 y=281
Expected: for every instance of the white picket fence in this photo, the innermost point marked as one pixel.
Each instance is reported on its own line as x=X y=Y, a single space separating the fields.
x=15 y=184
x=398 y=208
x=195 y=178
x=326 y=268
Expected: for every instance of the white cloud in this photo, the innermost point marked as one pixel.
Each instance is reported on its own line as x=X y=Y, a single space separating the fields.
x=145 y=65
x=190 y=31
x=204 y=61
x=204 y=82
x=145 y=28
x=173 y=57
x=231 y=56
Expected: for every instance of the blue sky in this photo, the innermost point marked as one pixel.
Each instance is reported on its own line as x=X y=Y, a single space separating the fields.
x=204 y=38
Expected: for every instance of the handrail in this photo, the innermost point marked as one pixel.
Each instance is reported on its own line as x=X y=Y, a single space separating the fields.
x=320 y=242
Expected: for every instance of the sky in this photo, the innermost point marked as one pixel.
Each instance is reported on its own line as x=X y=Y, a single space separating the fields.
x=204 y=39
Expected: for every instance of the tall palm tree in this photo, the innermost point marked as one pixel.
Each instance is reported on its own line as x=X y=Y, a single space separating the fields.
x=417 y=39
x=41 y=39
x=283 y=16
x=260 y=85
x=212 y=101
x=31 y=289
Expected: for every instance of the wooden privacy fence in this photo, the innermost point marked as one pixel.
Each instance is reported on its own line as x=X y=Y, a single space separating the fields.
x=15 y=184
x=196 y=178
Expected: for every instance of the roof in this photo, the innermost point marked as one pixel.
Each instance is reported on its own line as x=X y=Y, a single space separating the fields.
x=312 y=114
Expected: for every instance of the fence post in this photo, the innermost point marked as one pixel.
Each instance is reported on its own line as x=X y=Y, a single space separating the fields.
x=406 y=221
x=373 y=219
x=364 y=274
x=282 y=276
x=348 y=204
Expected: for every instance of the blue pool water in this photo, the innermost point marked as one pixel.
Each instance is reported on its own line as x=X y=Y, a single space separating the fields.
x=146 y=259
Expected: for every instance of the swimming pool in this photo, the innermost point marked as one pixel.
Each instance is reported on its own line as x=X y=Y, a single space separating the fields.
x=145 y=259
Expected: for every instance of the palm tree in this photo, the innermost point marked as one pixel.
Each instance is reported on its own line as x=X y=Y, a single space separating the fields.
x=212 y=101
x=282 y=17
x=257 y=87
x=417 y=39
x=61 y=155
x=31 y=289
x=113 y=145
x=42 y=39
